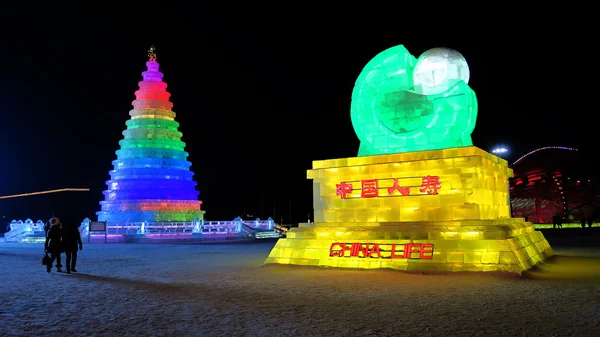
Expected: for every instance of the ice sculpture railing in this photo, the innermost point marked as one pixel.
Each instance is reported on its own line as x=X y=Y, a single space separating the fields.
x=20 y=229
x=194 y=227
x=259 y=224
x=15 y=234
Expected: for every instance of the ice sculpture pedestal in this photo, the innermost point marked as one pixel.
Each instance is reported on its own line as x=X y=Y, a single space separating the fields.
x=443 y=210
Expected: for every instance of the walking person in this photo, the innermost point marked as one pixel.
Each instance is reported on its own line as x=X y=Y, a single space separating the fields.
x=47 y=226
x=71 y=241
x=588 y=215
x=557 y=220
x=54 y=245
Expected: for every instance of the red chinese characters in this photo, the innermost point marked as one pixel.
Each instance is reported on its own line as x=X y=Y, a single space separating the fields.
x=382 y=251
x=369 y=188
x=431 y=185
x=403 y=190
x=343 y=189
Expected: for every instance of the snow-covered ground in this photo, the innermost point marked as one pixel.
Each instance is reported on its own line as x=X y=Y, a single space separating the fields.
x=222 y=290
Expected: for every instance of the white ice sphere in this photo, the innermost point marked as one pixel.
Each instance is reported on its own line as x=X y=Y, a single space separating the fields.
x=438 y=69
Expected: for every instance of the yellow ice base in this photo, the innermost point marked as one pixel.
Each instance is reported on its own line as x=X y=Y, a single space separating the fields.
x=465 y=227
x=510 y=245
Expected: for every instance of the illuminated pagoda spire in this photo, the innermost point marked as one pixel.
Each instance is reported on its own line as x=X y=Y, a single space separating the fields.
x=151 y=180
x=152 y=54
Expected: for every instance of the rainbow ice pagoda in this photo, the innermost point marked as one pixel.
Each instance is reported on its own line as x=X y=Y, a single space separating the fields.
x=151 y=181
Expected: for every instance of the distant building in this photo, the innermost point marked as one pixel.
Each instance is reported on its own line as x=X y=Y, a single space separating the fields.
x=552 y=182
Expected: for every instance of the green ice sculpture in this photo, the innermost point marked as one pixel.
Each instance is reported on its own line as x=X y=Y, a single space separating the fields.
x=401 y=104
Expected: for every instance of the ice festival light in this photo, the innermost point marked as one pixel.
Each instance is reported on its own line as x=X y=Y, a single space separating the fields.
x=151 y=180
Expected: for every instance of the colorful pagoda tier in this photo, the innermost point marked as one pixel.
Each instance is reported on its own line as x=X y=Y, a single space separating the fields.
x=151 y=180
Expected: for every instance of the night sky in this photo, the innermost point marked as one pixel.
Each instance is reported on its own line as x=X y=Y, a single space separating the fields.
x=260 y=92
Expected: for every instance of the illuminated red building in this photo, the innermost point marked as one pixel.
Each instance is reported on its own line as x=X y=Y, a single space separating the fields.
x=551 y=181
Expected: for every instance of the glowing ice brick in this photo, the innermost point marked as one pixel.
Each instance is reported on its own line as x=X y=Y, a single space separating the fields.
x=151 y=180
x=401 y=104
x=454 y=202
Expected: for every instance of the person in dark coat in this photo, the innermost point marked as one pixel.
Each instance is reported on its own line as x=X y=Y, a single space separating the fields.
x=71 y=241
x=47 y=226
x=54 y=245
